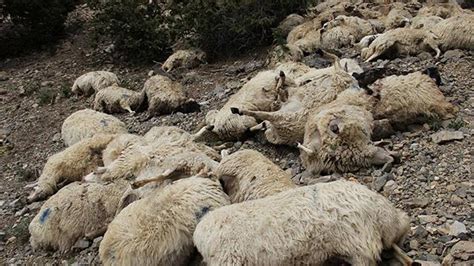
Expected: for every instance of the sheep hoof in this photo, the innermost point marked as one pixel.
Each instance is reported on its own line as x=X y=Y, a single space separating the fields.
x=37 y=195
x=235 y=110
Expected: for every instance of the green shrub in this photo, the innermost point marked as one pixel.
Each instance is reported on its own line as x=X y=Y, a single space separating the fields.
x=232 y=26
x=136 y=28
x=143 y=30
x=32 y=23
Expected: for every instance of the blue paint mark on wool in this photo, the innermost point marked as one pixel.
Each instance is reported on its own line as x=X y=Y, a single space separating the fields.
x=45 y=215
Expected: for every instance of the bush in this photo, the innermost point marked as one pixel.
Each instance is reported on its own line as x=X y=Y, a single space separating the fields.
x=233 y=26
x=144 y=30
x=137 y=29
x=32 y=23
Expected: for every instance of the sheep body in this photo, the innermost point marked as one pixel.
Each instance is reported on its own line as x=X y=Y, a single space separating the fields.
x=115 y=99
x=86 y=123
x=289 y=23
x=160 y=232
x=258 y=94
x=184 y=58
x=344 y=31
x=248 y=175
x=165 y=96
x=302 y=226
x=76 y=211
x=427 y=23
x=92 y=82
x=456 y=32
x=70 y=165
x=402 y=41
x=285 y=53
x=405 y=98
x=117 y=146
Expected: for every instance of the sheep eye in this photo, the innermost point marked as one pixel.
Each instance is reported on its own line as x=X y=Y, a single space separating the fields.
x=334 y=128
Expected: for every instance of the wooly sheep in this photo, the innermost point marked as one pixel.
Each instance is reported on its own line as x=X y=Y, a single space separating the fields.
x=92 y=82
x=70 y=165
x=292 y=70
x=337 y=138
x=248 y=175
x=79 y=210
x=166 y=142
x=344 y=31
x=117 y=146
x=398 y=16
x=314 y=88
x=165 y=96
x=401 y=41
x=284 y=53
x=115 y=99
x=157 y=230
x=304 y=226
x=289 y=23
x=456 y=32
x=444 y=10
x=261 y=93
x=427 y=23
x=407 y=98
x=184 y=58
x=86 y=123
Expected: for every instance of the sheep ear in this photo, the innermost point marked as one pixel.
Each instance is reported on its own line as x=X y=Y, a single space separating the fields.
x=346 y=68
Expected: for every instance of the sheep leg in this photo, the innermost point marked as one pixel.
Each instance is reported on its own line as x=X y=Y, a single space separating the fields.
x=37 y=195
x=401 y=256
x=223 y=146
x=304 y=149
x=127 y=107
x=261 y=126
x=96 y=233
x=203 y=131
x=260 y=115
x=165 y=175
x=381 y=156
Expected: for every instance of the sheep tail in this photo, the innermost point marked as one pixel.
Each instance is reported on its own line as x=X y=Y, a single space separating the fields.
x=401 y=256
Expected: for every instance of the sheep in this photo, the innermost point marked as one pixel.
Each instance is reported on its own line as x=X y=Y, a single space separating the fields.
x=115 y=99
x=404 y=99
x=427 y=23
x=70 y=165
x=444 y=10
x=117 y=146
x=398 y=17
x=401 y=41
x=157 y=230
x=259 y=94
x=337 y=138
x=77 y=211
x=184 y=58
x=284 y=53
x=86 y=123
x=292 y=70
x=456 y=32
x=138 y=156
x=344 y=31
x=314 y=88
x=289 y=23
x=165 y=96
x=92 y=82
x=303 y=226
x=248 y=175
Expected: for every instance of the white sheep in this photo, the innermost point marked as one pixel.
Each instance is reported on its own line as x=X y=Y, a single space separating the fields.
x=92 y=82
x=165 y=96
x=70 y=165
x=261 y=93
x=289 y=23
x=284 y=53
x=304 y=226
x=77 y=211
x=184 y=58
x=398 y=17
x=456 y=32
x=444 y=10
x=337 y=138
x=425 y=22
x=248 y=175
x=117 y=146
x=86 y=123
x=401 y=41
x=115 y=99
x=157 y=230
x=344 y=31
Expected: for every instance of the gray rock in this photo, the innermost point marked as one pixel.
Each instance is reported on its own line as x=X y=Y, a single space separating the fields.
x=456 y=201
x=444 y=136
x=457 y=228
x=3 y=76
x=428 y=263
x=453 y=54
x=379 y=182
x=414 y=244
x=2 y=202
x=81 y=244
x=424 y=219
x=390 y=186
x=419 y=202
x=15 y=203
x=463 y=250
x=96 y=242
x=2 y=235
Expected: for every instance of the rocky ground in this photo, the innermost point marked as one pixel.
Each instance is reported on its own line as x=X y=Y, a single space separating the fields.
x=433 y=182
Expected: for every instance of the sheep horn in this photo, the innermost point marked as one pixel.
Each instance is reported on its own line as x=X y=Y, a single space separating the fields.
x=304 y=148
x=401 y=256
x=165 y=175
